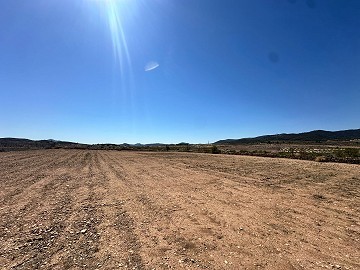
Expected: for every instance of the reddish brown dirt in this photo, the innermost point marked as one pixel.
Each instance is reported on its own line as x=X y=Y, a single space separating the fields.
x=78 y=209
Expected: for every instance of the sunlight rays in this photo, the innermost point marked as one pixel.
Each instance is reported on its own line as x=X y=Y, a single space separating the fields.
x=120 y=48
x=114 y=12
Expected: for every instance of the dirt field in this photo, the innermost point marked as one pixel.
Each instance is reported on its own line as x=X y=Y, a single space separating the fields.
x=78 y=209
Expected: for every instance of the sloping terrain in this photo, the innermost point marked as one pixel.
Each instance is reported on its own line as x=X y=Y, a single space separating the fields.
x=81 y=209
x=311 y=136
x=12 y=144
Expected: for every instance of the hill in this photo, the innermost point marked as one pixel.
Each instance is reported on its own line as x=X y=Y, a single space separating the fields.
x=319 y=136
x=7 y=144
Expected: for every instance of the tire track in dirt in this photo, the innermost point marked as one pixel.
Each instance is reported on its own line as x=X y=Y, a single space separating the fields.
x=306 y=194
x=14 y=155
x=302 y=173
x=198 y=200
x=158 y=210
x=261 y=231
x=10 y=173
x=81 y=232
x=39 y=241
x=118 y=226
x=33 y=209
x=22 y=162
x=37 y=173
x=129 y=210
x=15 y=159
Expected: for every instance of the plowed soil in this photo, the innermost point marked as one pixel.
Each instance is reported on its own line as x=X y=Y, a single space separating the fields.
x=79 y=209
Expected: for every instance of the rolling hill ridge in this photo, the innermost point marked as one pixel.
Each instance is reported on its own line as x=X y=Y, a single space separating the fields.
x=312 y=136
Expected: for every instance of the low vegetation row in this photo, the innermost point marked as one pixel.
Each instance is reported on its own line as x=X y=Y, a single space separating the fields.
x=306 y=152
x=343 y=155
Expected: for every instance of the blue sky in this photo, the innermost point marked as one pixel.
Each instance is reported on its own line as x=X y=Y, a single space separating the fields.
x=76 y=69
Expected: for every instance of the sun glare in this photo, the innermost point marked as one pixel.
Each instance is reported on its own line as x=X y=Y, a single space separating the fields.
x=114 y=12
x=117 y=32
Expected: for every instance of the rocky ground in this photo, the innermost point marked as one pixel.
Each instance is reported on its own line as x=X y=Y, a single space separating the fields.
x=80 y=209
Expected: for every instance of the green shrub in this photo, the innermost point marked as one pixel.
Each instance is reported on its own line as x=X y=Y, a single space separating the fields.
x=215 y=150
x=352 y=152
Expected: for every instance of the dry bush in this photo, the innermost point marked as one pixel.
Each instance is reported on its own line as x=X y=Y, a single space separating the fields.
x=320 y=159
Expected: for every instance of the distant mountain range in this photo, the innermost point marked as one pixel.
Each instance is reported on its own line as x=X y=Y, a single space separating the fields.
x=316 y=136
x=10 y=144
x=18 y=144
x=319 y=136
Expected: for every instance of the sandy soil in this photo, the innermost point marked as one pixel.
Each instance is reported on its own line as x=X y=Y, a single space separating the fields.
x=78 y=209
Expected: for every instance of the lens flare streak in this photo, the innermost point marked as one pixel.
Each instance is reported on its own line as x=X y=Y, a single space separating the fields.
x=117 y=33
x=119 y=45
x=151 y=66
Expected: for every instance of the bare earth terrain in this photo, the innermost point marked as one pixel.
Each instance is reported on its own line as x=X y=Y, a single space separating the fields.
x=80 y=209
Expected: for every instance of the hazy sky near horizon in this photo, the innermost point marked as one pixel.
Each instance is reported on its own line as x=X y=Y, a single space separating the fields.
x=97 y=71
